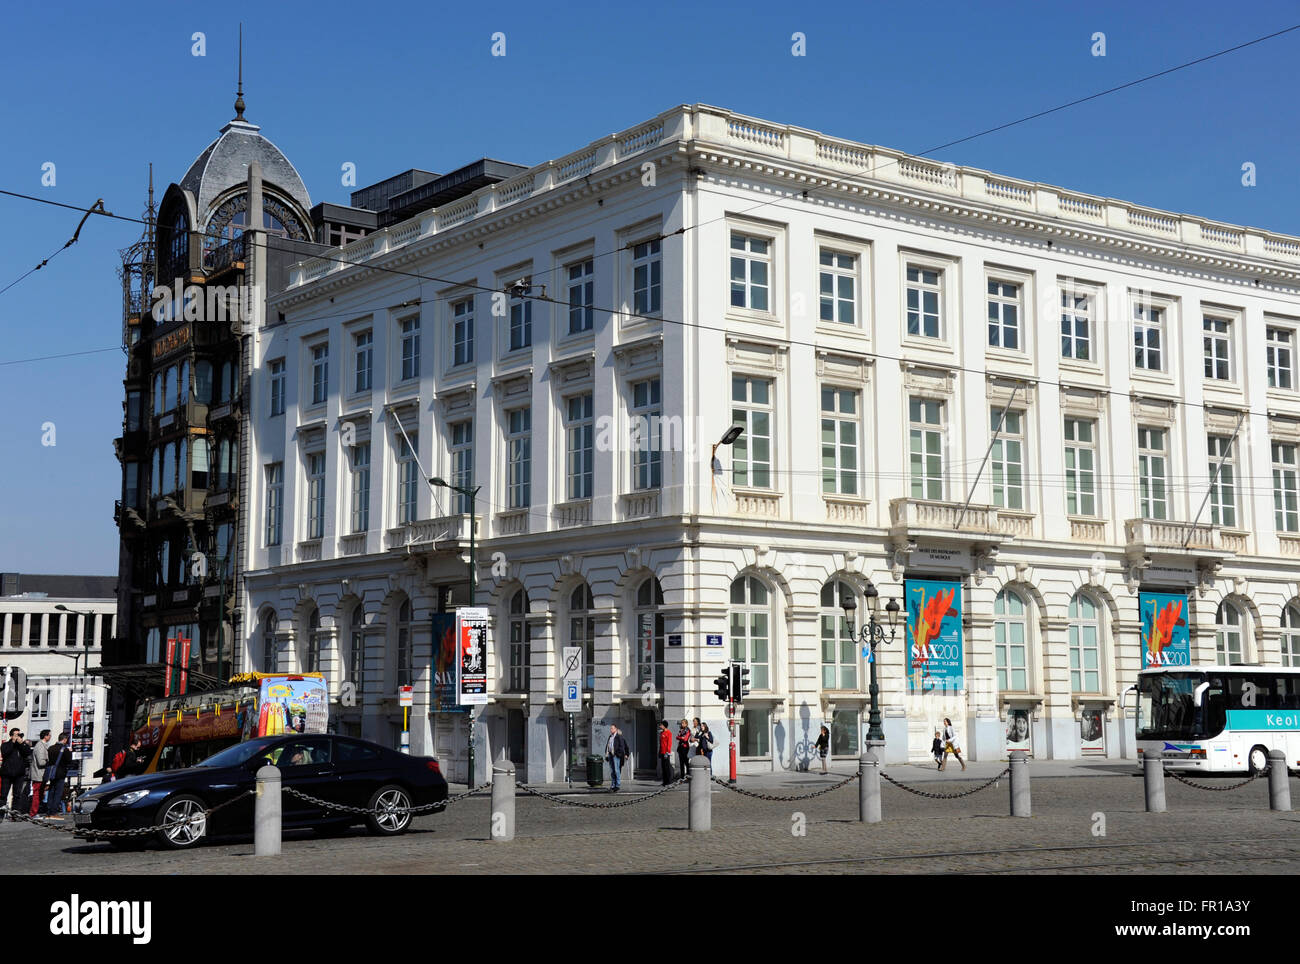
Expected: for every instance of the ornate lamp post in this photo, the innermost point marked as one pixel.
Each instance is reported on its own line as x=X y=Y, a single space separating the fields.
x=872 y=635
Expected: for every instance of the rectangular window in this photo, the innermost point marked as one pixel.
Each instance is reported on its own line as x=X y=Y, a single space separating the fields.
x=751 y=454
x=1004 y=315
x=924 y=304
x=361 y=487
x=408 y=480
x=1286 y=512
x=755 y=735
x=582 y=296
x=1080 y=467
x=1153 y=472
x=521 y=318
x=364 y=359
x=462 y=332
x=1085 y=657
x=840 y=441
x=320 y=372
x=1217 y=340
x=1148 y=326
x=277 y=387
x=647 y=277
x=1281 y=357
x=519 y=458
x=1076 y=325
x=410 y=348
x=316 y=495
x=1223 y=485
x=925 y=445
x=837 y=286
x=579 y=431
x=751 y=264
x=462 y=462
x=645 y=415
x=1007 y=459
x=274 y=503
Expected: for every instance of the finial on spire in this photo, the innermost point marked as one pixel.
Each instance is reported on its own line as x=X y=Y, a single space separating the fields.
x=239 y=93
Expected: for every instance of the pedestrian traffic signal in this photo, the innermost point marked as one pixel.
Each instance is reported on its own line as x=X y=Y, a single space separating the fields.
x=742 y=687
x=722 y=686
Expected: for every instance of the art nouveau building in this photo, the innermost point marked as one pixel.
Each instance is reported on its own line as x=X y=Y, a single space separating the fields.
x=941 y=374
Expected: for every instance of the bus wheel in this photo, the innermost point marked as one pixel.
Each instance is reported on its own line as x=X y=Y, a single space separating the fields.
x=1258 y=759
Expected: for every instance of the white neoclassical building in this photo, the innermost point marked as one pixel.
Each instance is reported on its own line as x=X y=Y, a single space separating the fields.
x=1050 y=403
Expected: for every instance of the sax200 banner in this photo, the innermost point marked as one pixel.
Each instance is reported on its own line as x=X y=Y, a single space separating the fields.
x=1165 y=637
x=934 y=647
x=471 y=666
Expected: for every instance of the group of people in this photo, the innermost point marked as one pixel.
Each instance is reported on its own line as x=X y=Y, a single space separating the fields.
x=33 y=774
x=690 y=736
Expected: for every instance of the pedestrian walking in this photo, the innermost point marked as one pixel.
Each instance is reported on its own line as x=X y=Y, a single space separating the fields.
x=13 y=768
x=823 y=745
x=683 y=745
x=704 y=743
x=936 y=750
x=666 y=752
x=616 y=752
x=950 y=745
x=56 y=775
x=133 y=760
x=39 y=761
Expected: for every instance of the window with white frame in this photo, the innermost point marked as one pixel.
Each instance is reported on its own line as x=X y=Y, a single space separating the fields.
x=582 y=296
x=579 y=430
x=1011 y=642
x=462 y=332
x=462 y=462
x=1007 y=459
x=839 y=646
x=1004 y=315
x=924 y=301
x=363 y=360
x=320 y=370
x=1227 y=635
x=751 y=454
x=1085 y=645
x=837 y=280
x=1286 y=511
x=1291 y=635
x=1223 y=480
x=1217 y=341
x=269 y=627
x=650 y=635
x=1153 y=472
x=519 y=457
x=361 y=487
x=840 y=420
x=751 y=272
x=645 y=417
x=647 y=277
x=311 y=652
x=1148 y=337
x=925 y=447
x=277 y=387
x=1080 y=466
x=274 y=503
x=410 y=341
x=315 y=495
x=408 y=479
x=1280 y=346
x=357 y=649
x=405 y=663
x=751 y=616
x=521 y=317
x=582 y=630
x=520 y=656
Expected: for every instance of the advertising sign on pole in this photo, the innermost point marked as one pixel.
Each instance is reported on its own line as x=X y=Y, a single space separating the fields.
x=934 y=644
x=444 y=662
x=571 y=680
x=1165 y=637
x=82 y=739
x=471 y=667
x=183 y=651
x=406 y=696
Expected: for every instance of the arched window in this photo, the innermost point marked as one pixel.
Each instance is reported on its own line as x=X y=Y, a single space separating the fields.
x=179 y=241
x=405 y=663
x=650 y=636
x=1085 y=645
x=751 y=614
x=1010 y=643
x=357 y=649
x=839 y=648
x=582 y=629
x=521 y=651
x=311 y=653
x=269 y=627
x=1291 y=635
x=1227 y=635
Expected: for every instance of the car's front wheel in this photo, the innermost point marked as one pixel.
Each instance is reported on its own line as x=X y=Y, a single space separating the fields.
x=183 y=822
x=390 y=811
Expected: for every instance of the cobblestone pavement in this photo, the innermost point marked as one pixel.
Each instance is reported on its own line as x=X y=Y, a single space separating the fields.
x=1231 y=832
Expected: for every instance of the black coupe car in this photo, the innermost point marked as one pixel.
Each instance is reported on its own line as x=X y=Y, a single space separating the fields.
x=336 y=769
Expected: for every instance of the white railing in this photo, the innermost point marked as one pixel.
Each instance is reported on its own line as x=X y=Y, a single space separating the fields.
x=1081 y=207
x=641 y=505
x=1237 y=543
x=1007 y=191
x=1289 y=545
x=1171 y=535
x=1225 y=237
x=846 y=512
x=640 y=138
x=460 y=211
x=846 y=155
x=1285 y=247
x=1088 y=530
x=404 y=233
x=578 y=166
x=353 y=545
x=517 y=187
x=758 y=503
x=512 y=523
x=309 y=551
x=569 y=514
x=927 y=172
x=1150 y=221
x=752 y=133
x=954 y=516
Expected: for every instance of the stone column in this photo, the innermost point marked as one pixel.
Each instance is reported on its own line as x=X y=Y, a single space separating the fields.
x=544 y=725
x=983 y=725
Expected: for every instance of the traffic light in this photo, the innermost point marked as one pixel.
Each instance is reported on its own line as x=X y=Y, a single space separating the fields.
x=722 y=686
x=739 y=682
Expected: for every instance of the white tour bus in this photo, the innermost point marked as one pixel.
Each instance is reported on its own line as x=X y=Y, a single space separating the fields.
x=1220 y=718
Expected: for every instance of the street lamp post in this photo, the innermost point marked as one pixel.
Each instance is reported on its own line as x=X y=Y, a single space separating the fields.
x=470 y=492
x=872 y=635
x=715 y=466
x=78 y=677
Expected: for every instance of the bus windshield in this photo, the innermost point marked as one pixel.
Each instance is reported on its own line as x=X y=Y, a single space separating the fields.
x=1165 y=710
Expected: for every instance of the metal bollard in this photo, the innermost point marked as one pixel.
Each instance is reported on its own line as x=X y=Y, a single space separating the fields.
x=503 y=802
x=1020 y=804
x=1153 y=776
x=267 y=810
x=1279 y=781
x=701 y=796
x=868 y=788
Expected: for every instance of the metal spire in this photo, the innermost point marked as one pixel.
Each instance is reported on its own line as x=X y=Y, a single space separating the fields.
x=239 y=93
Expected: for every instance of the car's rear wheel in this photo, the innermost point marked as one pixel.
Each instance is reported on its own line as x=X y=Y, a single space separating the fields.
x=391 y=806
x=1258 y=759
x=183 y=822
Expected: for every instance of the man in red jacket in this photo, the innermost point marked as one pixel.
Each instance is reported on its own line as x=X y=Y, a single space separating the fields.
x=666 y=751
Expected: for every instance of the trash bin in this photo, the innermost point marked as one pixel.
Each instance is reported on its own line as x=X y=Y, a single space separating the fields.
x=595 y=771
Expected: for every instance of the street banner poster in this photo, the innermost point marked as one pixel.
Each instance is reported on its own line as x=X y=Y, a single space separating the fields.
x=292 y=704
x=1165 y=637
x=171 y=661
x=1092 y=730
x=1018 y=732
x=444 y=663
x=82 y=739
x=183 y=651
x=934 y=644
x=471 y=669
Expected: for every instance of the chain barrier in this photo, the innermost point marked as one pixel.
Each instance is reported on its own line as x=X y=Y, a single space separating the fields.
x=368 y=812
x=945 y=796
x=89 y=831
x=775 y=798
x=601 y=806
x=1202 y=786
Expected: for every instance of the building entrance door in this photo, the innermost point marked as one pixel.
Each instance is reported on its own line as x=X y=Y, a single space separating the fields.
x=516 y=746
x=645 y=746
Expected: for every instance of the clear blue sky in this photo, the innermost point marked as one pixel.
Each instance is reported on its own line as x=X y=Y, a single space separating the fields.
x=102 y=90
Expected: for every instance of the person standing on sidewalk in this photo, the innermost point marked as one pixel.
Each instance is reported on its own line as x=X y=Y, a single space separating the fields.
x=704 y=743
x=666 y=751
x=56 y=775
x=616 y=752
x=950 y=744
x=13 y=765
x=684 y=746
x=823 y=745
x=40 y=760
